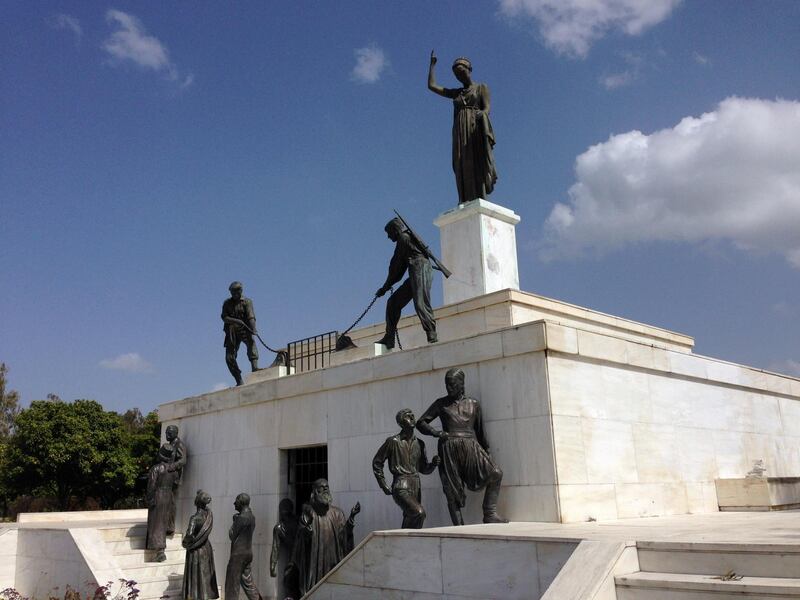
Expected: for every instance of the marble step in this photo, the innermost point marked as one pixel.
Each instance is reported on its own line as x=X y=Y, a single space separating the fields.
x=159 y=585
x=138 y=558
x=753 y=560
x=682 y=586
x=153 y=570
x=111 y=534
x=136 y=544
x=169 y=595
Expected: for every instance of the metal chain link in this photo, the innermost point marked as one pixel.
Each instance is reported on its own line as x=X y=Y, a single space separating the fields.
x=363 y=314
x=263 y=343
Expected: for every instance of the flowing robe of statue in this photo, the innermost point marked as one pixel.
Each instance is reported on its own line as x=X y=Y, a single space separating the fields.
x=239 y=573
x=178 y=461
x=160 y=505
x=284 y=535
x=199 y=574
x=473 y=142
x=465 y=460
x=321 y=544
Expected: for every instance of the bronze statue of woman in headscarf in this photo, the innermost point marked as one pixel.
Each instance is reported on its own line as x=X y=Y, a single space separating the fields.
x=473 y=138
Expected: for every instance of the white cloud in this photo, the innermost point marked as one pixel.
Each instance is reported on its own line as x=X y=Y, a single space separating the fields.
x=732 y=174
x=131 y=362
x=701 y=59
x=218 y=387
x=784 y=309
x=626 y=77
x=130 y=43
x=570 y=27
x=787 y=367
x=617 y=80
x=68 y=22
x=370 y=64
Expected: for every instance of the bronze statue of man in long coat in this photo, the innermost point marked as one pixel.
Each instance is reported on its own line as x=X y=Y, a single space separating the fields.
x=324 y=536
x=239 y=572
x=160 y=501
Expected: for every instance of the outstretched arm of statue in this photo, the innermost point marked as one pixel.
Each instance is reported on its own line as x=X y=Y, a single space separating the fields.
x=397 y=267
x=432 y=86
x=425 y=467
x=351 y=521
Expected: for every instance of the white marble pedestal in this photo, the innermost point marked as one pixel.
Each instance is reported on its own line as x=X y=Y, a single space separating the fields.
x=268 y=373
x=479 y=246
x=341 y=357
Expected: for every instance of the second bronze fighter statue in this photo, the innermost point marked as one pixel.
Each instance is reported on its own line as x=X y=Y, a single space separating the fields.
x=407 y=257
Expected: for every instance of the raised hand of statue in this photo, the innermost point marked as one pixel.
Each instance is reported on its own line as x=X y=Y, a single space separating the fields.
x=307 y=518
x=355 y=510
x=433 y=58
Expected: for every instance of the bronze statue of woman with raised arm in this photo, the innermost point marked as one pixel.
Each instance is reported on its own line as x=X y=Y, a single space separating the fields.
x=473 y=137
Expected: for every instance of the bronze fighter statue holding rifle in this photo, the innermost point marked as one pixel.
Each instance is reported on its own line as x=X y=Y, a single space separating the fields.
x=413 y=255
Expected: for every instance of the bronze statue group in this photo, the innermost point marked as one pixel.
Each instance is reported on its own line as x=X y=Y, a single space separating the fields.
x=306 y=548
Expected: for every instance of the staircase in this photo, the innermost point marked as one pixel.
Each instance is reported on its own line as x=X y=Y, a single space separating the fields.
x=693 y=571
x=153 y=580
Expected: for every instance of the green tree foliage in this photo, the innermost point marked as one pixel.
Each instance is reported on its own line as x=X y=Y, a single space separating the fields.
x=9 y=405
x=144 y=439
x=67 y=449
x=9 y=409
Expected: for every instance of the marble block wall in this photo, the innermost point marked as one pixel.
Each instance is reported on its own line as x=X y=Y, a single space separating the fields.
x=585 y=424
x=48 y=560
x=8 y=557
x=433 y=567
x=235 y=436
x=642 y=431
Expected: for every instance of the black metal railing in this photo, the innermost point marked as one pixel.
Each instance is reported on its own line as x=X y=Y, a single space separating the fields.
x=313 y=352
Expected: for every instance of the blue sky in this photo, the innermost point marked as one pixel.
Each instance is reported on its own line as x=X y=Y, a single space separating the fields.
x=150 y=153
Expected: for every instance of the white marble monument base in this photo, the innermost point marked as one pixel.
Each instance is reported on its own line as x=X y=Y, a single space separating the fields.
x=349 y=355
x=268 y=373
x=479 y=246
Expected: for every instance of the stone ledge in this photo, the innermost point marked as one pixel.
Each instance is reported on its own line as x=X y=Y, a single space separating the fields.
x=758 y=493
x=508 y=307
x=477 y=207
x=529 y=337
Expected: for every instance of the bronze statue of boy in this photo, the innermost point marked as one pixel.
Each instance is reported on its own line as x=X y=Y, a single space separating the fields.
x=406 y=456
